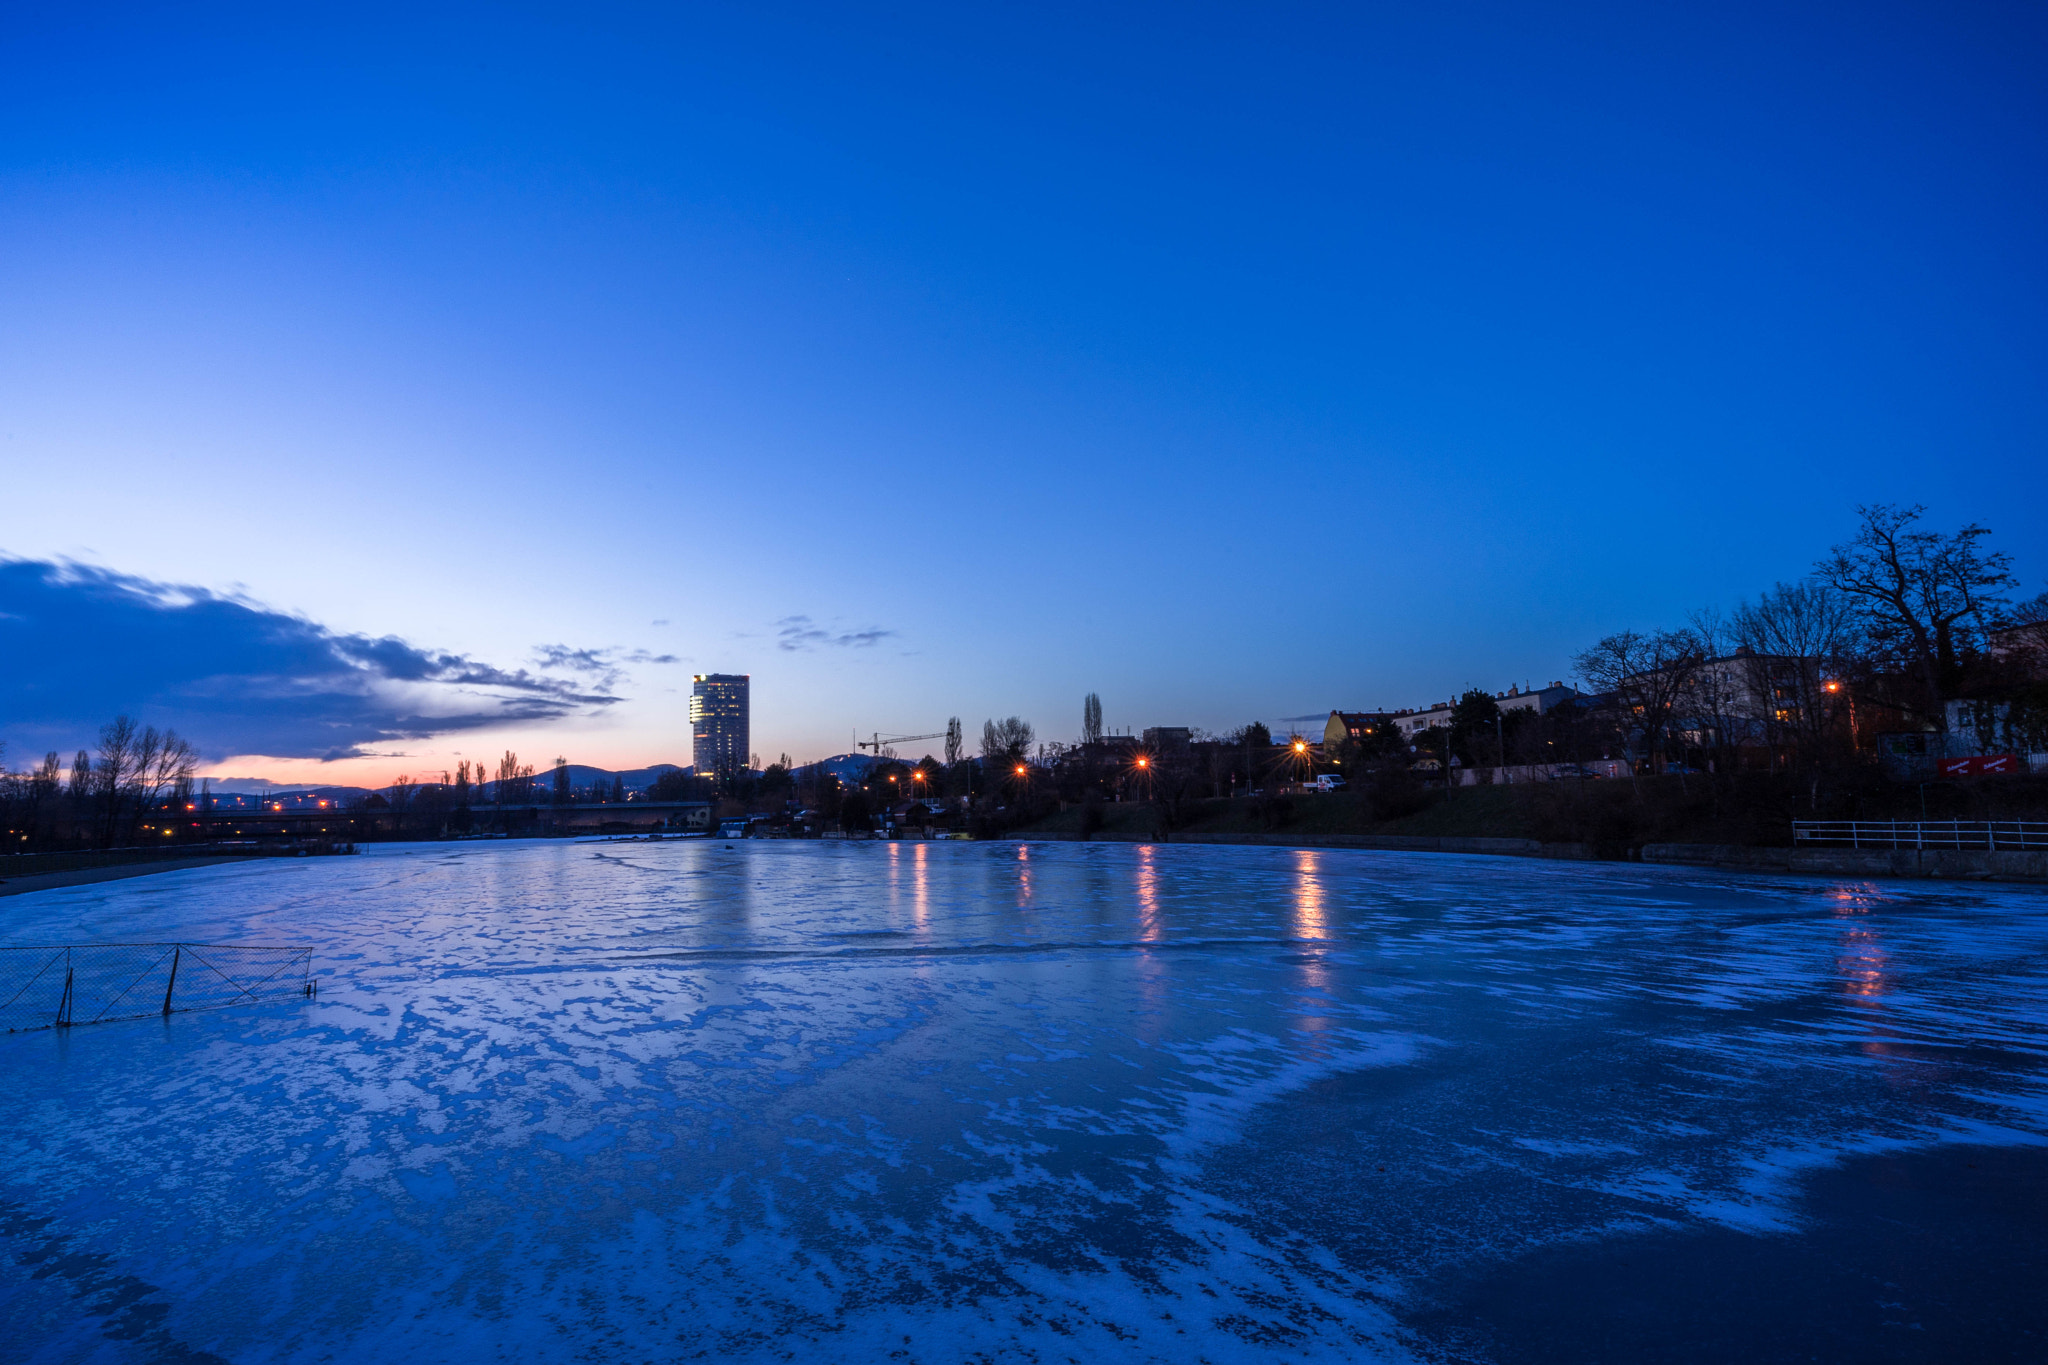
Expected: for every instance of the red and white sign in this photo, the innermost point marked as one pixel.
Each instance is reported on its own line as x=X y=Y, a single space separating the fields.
x=1982 y=765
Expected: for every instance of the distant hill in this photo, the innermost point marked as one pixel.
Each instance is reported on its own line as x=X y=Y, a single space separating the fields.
x=845 y=767
x=291 y=798
x=261 y=786
x=582 y=775
x=251 y=793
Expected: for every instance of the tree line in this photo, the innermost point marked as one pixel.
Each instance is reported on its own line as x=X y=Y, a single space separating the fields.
x=1889 y=630
x=134 y=771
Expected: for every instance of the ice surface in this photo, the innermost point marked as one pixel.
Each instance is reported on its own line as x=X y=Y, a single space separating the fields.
x=934 y=1102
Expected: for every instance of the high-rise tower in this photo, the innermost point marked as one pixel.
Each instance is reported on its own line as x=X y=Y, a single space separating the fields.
x=719 y=742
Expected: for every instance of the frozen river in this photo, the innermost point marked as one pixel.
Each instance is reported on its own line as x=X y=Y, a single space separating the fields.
x=947 y=1102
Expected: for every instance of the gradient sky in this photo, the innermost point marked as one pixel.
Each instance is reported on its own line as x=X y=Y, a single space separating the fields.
x=1230 y=362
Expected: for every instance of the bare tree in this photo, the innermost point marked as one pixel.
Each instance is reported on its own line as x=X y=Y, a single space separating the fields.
x=1927 y=598
x=2023 y=639
x=401 y=802
x=1646 y=675
x=1717 y=709
x=955 y=743
x=1091 y=719
x=112 y=771
x=1006 y=740
x=1801 y=643
x=163 y=763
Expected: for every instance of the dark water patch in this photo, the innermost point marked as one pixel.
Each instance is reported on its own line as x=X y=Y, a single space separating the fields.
x=129 y=1308
x=1927 y=1256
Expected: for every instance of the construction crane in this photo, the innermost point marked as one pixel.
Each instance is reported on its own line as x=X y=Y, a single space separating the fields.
x=879 y=741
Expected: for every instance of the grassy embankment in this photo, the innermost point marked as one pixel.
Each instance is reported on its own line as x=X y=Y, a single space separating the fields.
x=1612 y=817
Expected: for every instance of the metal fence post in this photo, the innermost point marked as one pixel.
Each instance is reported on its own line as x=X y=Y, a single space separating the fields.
x=64 y=1001
x=172 y=984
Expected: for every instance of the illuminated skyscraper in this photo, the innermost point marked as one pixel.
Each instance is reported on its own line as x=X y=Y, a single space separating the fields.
x=718 y=723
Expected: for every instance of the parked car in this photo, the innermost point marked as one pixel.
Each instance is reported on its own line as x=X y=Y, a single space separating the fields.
x=1564 y=770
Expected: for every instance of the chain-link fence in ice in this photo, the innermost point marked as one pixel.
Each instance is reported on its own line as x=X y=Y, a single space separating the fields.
x=59 y=987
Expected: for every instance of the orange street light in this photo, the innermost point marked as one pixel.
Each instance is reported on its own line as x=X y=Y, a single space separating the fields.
x=1144 y=762
x=1020 y=770
x=1300 y=747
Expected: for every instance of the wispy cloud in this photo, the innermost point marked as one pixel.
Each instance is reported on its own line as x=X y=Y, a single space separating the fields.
x=236 y=677
x=796 y=633
x=603 y=666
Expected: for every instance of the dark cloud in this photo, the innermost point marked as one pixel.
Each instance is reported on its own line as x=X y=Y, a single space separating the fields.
x=800 y=633
x=83 y=644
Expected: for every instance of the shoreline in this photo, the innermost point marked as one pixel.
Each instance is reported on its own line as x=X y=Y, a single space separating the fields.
x=1905 y=864
x=86 y=876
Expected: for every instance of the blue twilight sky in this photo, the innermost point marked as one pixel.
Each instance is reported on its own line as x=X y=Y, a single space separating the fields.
x=959 y=360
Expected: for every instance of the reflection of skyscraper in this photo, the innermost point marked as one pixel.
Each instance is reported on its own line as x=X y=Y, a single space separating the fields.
x=718 y=723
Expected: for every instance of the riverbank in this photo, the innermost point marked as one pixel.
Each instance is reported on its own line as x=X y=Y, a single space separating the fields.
x=21 y=873
x=1956 y=865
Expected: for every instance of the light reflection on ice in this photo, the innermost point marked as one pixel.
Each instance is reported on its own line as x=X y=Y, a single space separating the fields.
x=919 y=1101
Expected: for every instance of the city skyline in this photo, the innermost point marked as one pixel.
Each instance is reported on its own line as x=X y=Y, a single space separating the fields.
x=508 y=370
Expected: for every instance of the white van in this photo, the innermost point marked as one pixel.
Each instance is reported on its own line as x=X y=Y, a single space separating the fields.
x=1325 y=782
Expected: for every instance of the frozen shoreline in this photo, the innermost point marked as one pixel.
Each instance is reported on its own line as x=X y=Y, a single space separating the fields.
x=47 y=881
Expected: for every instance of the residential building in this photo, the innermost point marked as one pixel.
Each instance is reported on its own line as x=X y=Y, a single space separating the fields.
x=1538 y=700
x=1168 y=739
x=719 y=723
x=1350 y=725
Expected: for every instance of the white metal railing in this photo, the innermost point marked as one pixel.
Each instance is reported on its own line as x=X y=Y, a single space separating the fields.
x=1996 y=836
